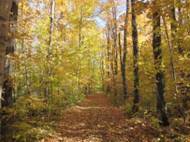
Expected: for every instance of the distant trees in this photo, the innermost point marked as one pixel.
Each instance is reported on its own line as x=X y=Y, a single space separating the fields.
x=112 y=49
x=116 y=50
x=161 y=68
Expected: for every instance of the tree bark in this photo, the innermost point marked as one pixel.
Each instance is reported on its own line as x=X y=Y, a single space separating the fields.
x=5 y=9
x=115 y=38
x=49 y=89
x=8 y=85
x=108 y=87
x=135 y=58
x=8 y=18
x=160 y=82
x=123 y=60
x=180 y=20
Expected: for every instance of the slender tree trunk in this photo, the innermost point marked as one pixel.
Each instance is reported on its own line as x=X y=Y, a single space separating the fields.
x=48 y=88
x=160 y=82
x=135 y=58
x=113 y=76
x=114 y=34
x=120 y=50
x=26 y=74
x=114 y=48
x=172 y=42
x=173 y=21
x=102 y=71
x=171 y=50
x=179 y=39
x=174 y=24
x=113 y=64
x=51 y=27
x=181 y=49
x=80 y=27
x=80 y=38
x=108 y=87
x=123 y=60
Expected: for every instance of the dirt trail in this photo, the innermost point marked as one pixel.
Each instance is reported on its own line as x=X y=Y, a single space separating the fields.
x=97 y=120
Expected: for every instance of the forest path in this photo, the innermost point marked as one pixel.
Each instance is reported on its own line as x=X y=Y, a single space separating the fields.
x=97 y=120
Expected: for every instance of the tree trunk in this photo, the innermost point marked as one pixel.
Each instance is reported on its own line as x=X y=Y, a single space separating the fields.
x=48 y=88
x=160 y=82
x=108 y=87
x=173 y=21
x=5 y=9
x=135 y=58
x=8 y=18
x=180 y=19
x=8 y=85
x=80 y=43
x=170 y=43
x=123 y=60
x=114 y=35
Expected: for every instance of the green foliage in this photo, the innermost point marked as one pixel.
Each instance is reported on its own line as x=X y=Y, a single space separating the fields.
x=128 y=109
x=29 y=106
x=34 y=116
x=154 y=122
x=29 y=133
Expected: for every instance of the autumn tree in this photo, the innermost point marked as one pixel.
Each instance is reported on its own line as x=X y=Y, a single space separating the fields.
x=8 y=18
x=157 y=51
x=5 y=10
x=8 y=84
x=124 y=55
x=135 y=57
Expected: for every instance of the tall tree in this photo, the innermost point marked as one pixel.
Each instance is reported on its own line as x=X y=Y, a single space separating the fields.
x=170 y=42
x=114 y=36
x=5 y=10
x=8 y=85
x=157 y=51
x=108 y=57
x=48 y=88
x=135 y=57
x=8 y=18
x=123 y=60
x=173 y=20
x=112 y=45
x=179 y=25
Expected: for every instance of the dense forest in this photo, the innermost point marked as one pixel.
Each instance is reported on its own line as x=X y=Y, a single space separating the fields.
x=94 y=70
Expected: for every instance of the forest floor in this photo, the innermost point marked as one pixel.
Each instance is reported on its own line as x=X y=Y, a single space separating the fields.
x=97 y=120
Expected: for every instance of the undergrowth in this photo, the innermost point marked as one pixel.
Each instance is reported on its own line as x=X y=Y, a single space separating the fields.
x=33 y=117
